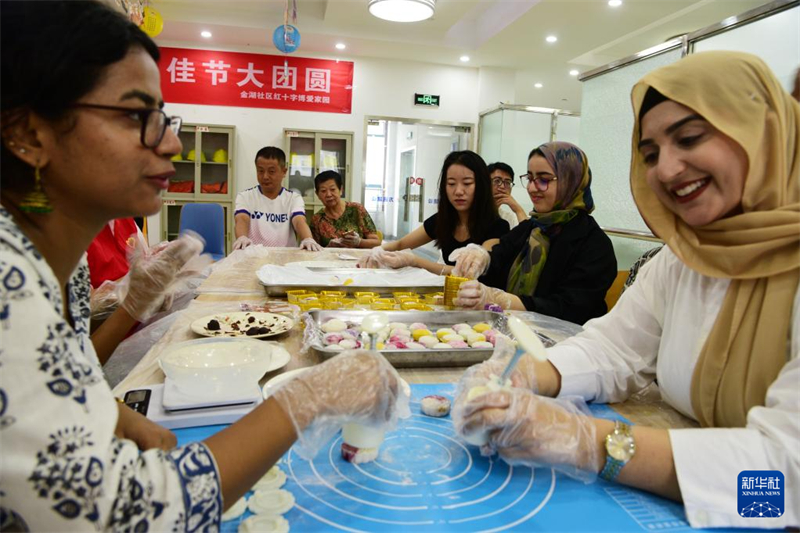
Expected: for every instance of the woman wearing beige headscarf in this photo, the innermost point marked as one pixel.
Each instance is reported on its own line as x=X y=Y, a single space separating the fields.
x=714 y=317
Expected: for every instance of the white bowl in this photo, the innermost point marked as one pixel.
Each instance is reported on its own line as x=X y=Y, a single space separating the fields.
x=215 y=364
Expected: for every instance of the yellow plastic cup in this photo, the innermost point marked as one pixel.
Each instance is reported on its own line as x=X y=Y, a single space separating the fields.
x=294 y=296
x=365 y=299
x=348 y=303
x=366 y=293
x=415 y=306
x=340 y=294
x=451 y=285
x=403 y=293
x=382 y=307
x=331 y=304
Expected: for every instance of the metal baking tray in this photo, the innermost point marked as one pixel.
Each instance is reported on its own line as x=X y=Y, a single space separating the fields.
x=280 y=290
x=411 y=358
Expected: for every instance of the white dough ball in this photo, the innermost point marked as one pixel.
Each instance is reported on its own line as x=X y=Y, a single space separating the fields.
x=482 y=344
x=334 y=325
x=428 y=341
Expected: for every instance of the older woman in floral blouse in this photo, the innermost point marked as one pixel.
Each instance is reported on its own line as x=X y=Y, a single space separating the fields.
x=341 y=223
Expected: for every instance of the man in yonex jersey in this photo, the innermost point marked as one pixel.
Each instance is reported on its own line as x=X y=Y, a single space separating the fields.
x=268 y=214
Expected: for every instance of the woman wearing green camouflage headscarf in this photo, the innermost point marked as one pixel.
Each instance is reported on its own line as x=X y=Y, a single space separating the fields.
x=559 y=262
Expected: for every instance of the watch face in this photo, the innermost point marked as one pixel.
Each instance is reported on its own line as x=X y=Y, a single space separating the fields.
x=619 y=447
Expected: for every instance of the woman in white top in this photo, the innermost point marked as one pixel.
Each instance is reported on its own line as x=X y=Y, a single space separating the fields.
x=714 y=317
x=84 y=141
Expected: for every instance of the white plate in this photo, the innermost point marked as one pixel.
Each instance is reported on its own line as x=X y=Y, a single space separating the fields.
x=277 y=323
x=321 y=264
x=271 y=385
x=280 y=357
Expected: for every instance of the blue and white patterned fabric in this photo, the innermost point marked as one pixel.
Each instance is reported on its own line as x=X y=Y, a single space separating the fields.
x=61 y=467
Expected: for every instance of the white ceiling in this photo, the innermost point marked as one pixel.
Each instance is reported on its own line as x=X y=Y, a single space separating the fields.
x=494 y=33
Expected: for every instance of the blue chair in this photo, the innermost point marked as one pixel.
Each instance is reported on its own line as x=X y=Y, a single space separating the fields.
x=209 y=221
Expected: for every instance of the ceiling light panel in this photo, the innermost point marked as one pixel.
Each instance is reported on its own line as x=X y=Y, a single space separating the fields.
x=402 y=10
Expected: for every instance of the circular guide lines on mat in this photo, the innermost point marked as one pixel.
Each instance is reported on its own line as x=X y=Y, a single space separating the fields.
x=423 y=479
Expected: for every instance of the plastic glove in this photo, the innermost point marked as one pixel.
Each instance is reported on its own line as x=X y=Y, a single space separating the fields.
x=472 y=261
x=310 y=244
x=523 y=375
x=150 y=278
x=103 y=300
x=475 y=295
x=530 y=430
x=374 y=259
x=242 y=242
x=351 y=239
x=400 y=259
x=355 y=386
x=335 y=243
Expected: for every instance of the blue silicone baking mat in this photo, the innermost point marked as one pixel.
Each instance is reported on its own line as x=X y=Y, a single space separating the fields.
x=425 y=479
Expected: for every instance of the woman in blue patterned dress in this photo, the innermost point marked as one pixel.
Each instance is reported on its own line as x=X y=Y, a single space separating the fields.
x=84 y=141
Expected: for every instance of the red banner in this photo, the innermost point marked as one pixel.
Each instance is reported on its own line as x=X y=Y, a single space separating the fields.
x=236 y=79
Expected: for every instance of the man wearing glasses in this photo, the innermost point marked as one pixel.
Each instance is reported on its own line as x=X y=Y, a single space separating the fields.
x=502 y=176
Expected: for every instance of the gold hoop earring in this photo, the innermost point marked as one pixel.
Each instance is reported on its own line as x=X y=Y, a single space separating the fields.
x=36 y=201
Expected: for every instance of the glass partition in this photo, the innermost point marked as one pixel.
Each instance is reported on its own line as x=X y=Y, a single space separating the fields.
x=605 y=132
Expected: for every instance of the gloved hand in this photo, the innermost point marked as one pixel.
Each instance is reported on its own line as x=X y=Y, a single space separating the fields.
x=104 y=300
x=351 y=239
x=475 y=295
x=530 y=430
x=374 y=259
x=355 y=386
x=523 y=375
x=335 y=243
x=151 y=276
x=400 y=259
x=311 y=245
x=472 y=261
x=242 y=242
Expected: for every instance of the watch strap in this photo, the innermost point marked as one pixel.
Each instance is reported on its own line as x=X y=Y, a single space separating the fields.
x=612 y=467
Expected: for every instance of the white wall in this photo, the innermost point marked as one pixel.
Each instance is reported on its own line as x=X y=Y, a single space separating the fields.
x=381 y=87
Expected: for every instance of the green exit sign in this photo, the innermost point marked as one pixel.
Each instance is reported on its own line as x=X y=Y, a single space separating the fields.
x=426 y=99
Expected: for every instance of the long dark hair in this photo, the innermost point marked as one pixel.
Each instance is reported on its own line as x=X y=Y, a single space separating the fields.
x=483 y=209
x=53 y=53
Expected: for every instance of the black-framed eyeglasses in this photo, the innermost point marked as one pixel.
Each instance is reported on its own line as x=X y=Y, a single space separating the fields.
x=500 y=182
x=154 y=122
x=540 y=181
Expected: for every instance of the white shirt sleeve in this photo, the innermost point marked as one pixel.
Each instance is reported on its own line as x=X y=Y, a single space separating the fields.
x=616 y=354
x=298 y=206
x=708 y=460
x=63 y=469
x=242 y=205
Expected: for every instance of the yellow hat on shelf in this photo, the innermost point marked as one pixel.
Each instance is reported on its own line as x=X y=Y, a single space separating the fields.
x=191 y=156
x=220 y=156
x=177 y=157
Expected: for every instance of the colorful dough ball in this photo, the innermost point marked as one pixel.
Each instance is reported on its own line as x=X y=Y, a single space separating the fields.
x=418 y=325
x=481 y=327
x=348 y=344
x=332 y=338
x=419 y=332
x=443 y=332
x=441 y=346
x=435 y=405
x=453 y=337
x=458 y=344
x=415 y=346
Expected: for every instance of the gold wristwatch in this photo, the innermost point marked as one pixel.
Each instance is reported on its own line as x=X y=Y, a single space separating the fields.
x=620 y=448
